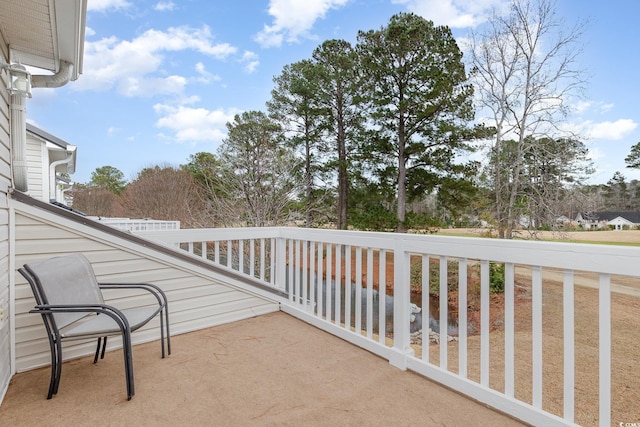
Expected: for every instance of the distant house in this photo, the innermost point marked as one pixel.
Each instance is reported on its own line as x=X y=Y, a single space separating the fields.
x=618 y=220
x=50 y=160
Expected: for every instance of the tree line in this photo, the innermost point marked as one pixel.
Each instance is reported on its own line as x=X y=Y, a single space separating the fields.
x=385 y=135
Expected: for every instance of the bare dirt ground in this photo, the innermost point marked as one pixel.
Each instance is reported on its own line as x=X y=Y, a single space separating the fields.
x=625 y=322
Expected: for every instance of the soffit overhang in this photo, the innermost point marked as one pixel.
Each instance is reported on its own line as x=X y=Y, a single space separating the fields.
x=42 y=33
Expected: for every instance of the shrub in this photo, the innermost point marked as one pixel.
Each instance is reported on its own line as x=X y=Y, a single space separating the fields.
x=496 y=277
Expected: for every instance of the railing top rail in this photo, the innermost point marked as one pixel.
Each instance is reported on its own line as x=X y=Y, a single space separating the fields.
x=610 y=259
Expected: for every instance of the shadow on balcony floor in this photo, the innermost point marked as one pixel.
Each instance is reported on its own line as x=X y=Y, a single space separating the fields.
x=268 y=370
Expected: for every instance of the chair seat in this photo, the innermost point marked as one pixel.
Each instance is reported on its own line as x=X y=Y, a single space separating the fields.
x=103 y=325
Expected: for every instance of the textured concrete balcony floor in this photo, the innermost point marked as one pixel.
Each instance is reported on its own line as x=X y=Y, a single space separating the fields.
x=268 y=370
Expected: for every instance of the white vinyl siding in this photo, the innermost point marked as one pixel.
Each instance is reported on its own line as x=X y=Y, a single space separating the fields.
x=5 y=183
x=197 y=298
x=35 y=165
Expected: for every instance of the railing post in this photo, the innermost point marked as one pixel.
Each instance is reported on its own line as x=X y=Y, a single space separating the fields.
x=401 y=307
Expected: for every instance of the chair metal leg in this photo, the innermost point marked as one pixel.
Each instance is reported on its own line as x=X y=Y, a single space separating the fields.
x=100 y=349
x=95 y=358
x=164 y=330
x=162 y=334
x=58 y=365
x=54 y=368
x=166 y=313
x=128 y=363
x=104 y=347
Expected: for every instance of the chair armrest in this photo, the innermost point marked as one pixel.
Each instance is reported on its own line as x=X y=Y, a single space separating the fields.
x=149 y=287
x=108 y=310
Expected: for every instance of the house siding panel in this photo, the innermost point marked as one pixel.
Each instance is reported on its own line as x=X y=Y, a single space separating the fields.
x=197 y=299
x=34 y=168
x=5 y=290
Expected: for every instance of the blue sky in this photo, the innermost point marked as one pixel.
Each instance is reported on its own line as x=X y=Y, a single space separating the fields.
x=162 y=77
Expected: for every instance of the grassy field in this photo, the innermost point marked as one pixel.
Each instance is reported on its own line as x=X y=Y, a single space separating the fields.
x=622 y=237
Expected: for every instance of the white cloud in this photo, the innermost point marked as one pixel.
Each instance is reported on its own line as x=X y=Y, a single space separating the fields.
x=107 y=5
x=454 y=13
x=163 y=6
x=193 y=99
x=250 y=59
x=293 y=19
x=134 y=66
x=193 y=125
x=606 y=107
x=582 y=106
x=146 y=87
x=610 y=130
x=205 y=76
x=595 y=153
x=250 y=67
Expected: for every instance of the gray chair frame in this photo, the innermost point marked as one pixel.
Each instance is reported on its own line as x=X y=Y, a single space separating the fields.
x=69 y=299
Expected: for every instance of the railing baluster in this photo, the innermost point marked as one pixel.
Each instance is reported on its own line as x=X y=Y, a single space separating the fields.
x=252 y=257
x=279 y=262
x=338 y=288
x=462 y=317
x=273 y=255
x=444 y=302
x=536 y=334
x=509 y=329
x=241 y=256
x=568 y=333
x=190 y=245
x=313 y=285
x=299 y=273
x=305 y=272
x=358 y=304
x=203 y=249
x=348 y=287
x=484 y=323
x=327 y=305
x=425 y=308
x=262 y=260
x=320 y=280
x=290 y=270
x=216 y=252
x=229 y=253
x=604 y=354
x=382 y=296
x=370 y=293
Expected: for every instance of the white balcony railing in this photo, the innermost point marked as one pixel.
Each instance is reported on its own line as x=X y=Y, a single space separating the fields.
x=134 y=225
x=528 y=371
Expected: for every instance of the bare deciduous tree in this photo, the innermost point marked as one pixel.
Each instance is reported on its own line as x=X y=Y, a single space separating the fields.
x=98 y=201
x=164 y=193
x=525 y=74
x=260 y=175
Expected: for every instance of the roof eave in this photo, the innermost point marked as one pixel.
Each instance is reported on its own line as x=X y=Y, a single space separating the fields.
x=69 y=26
x=67 y=20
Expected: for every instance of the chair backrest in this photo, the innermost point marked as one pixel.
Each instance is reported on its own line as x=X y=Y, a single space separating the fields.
x=65 y=280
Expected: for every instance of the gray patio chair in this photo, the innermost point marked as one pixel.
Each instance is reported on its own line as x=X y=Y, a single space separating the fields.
x=70 y=300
